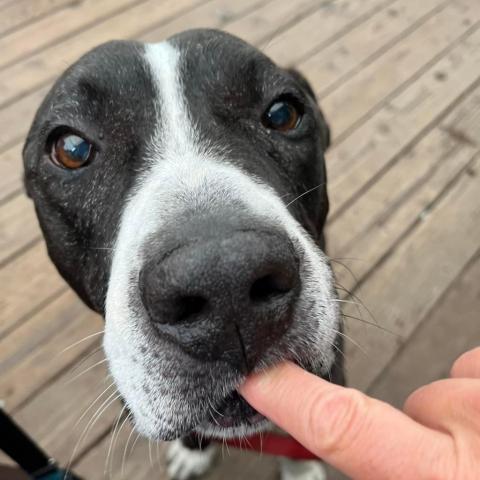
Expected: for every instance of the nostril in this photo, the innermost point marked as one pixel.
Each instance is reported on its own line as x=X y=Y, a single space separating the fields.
x=189 y=306
x=269 y=286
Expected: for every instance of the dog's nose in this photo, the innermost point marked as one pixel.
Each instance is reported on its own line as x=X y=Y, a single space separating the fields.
x=223 y=298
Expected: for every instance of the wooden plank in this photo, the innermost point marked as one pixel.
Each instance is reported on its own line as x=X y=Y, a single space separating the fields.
x=27 y=284
x=404 y=191
x=18 y=226
x=271 y=18
x=451 y=328
x=40 y=68
x=243 y=26
x=33 y=353
x=406 y=286
x=60 y=406
x=411 y=55
x=329 y=22
x=59 y=24
x=11 y=168
x=15 y=119
x=21 y=12
x=370 y=239
x=463 y=124
x=338 y=61
x=353 y=163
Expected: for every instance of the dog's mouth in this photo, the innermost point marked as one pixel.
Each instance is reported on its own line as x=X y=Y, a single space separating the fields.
x=233 y=411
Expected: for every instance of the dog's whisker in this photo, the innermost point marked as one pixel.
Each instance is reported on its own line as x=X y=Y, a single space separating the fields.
x=214 y=409
x=347 y=269
x=351 y=302
x=115 y=442
x=352 y=259
x=124 y=456
x=226 y=444
x=150 y=452
x=91 y=423
x=133 y=445
x=85 y=358
x=212 y=416
x=350 y=339
x=335 y=347
x=261 y=444
x=81 y=341
x=350 y=295
x=304 y=193
x=359 y=301
x=93 y=403
x=376 y=325
x=91 y=367
x=158 y=451
x=112 y=438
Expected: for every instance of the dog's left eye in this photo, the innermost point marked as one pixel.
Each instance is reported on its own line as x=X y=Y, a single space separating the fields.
x=282 y=115
x=71 y=151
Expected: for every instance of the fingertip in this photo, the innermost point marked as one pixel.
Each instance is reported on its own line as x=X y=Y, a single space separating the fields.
x=261 y=383
x=467 y=365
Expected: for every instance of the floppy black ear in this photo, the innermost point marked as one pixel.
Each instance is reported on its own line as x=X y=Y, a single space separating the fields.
x=308 y=88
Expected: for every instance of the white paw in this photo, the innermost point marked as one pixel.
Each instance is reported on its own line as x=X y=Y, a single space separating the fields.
x=302 y=470
x=183 y=463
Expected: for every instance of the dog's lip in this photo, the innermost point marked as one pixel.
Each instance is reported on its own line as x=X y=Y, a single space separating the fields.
x=234 y=411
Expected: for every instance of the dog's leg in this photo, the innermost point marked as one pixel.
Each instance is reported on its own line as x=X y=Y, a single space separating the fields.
x=302 y=470
x=188 y=458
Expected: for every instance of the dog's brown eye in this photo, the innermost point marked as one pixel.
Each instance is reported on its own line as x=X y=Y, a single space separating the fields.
x=282 y=115
x=71 y=151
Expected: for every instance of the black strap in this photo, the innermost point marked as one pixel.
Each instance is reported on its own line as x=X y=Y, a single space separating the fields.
x=26 y=453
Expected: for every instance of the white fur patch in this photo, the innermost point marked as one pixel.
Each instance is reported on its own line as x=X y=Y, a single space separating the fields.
x=302 y=470
x=184 y=463
x=185 y=174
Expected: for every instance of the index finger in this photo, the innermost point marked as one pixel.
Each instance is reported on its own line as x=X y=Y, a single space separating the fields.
x=363 y=437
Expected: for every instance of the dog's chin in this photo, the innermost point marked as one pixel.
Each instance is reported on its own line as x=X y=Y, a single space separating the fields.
x=233 y=418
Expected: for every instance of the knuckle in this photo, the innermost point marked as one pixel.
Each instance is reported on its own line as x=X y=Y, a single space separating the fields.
x=341 y=415
x=421 y=400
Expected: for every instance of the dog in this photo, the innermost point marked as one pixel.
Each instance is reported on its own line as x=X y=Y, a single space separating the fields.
x=181 y=191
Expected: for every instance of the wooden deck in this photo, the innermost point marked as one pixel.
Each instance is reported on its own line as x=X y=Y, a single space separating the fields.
x=399 y=81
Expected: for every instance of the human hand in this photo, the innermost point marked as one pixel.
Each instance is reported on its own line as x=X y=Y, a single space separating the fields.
x=437 y=436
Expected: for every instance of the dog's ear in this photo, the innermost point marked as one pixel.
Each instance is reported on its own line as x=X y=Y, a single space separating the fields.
x=308 y=88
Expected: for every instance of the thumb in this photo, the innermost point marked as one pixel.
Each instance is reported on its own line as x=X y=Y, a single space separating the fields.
x=361 y=436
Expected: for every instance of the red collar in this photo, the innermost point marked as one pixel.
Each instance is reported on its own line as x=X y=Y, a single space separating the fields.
x=273 y=444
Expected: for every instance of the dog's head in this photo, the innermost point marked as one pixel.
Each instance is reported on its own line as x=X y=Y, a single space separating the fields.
x=181 y=190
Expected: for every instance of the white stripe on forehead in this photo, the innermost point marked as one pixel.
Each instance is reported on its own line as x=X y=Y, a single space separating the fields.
x=174 y=130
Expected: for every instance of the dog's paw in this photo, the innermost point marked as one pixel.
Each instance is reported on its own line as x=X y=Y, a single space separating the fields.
x=184 y=463
x=302 y=470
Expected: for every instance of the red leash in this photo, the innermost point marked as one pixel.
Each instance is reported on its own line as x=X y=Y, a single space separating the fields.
x=273 y=444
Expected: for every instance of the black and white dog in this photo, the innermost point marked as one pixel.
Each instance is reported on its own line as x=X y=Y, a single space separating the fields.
x=181 y=190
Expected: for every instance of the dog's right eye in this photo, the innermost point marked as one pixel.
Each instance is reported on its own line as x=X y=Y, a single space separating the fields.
x=71 y=151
